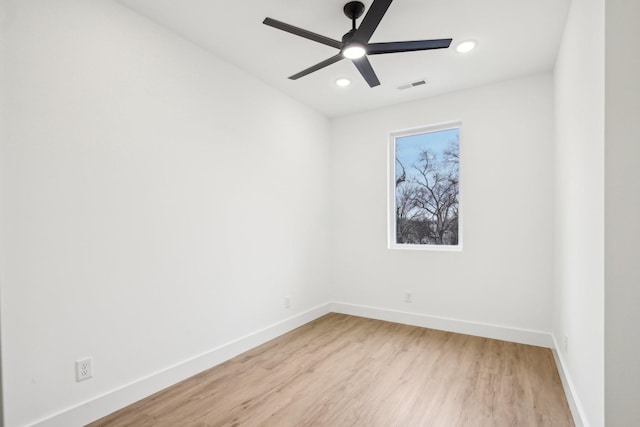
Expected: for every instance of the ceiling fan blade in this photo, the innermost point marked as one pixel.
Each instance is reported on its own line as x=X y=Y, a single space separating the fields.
x=410 y=46
x=302 y=33
x=364 y=66
x=317 y=67
x=371 y=20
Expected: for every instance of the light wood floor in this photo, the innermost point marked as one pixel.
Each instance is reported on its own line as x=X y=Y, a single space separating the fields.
x=348 y=371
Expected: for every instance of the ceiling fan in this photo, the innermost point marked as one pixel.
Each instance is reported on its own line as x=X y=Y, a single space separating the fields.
x=355 y=43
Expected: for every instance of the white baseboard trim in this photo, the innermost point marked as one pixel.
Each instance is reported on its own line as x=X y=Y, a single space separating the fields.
x=522 y=336
x=114 y=400
x=577 y=410
x=110 y=402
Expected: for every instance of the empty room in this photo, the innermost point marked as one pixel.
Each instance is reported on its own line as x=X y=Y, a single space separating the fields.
x=319 y=213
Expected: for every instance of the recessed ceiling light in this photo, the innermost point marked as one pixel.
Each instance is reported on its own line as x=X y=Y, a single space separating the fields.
x=342 y=82
x=466 y=46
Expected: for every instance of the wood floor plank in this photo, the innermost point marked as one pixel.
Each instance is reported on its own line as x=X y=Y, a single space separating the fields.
x=343 y=370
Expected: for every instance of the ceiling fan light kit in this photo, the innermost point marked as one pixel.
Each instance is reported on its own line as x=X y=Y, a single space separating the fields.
x=355 y=43
x=354 y=51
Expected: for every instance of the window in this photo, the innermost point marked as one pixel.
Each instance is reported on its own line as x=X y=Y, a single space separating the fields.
x=424 y=188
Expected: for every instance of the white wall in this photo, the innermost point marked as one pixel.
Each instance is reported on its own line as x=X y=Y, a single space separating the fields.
x=503 y=276
x=157 y=203
x=2 y=137
x=579 y=227
x=622 y=211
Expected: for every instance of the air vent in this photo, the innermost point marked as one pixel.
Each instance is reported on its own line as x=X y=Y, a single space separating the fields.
x=412 y=84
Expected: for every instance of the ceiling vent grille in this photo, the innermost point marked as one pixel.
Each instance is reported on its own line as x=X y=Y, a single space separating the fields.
x=412 y=84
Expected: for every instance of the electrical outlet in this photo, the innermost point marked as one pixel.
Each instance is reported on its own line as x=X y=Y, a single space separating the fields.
x=84 y=369
x=566 y=344
x=287 y=302
x=408 y=297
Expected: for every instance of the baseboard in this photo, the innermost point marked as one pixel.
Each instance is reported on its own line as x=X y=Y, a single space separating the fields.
x=523 y=336
x=577 y=410
x=110 y=402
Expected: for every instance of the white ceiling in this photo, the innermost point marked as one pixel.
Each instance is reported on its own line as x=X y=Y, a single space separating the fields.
x=515 y=38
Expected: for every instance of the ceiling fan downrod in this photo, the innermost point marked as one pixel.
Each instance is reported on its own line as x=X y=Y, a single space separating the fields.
x=353 y=10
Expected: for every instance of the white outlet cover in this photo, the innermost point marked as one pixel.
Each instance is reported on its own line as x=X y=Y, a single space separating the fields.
x=84 y=369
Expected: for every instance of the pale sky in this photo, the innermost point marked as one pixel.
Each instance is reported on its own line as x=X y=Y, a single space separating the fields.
x=408 y=148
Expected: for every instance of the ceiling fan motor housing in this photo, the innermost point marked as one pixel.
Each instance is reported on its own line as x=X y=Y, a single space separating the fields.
x=348 y=36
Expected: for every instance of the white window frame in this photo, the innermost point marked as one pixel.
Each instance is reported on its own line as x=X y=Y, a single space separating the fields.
x=391 y=189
